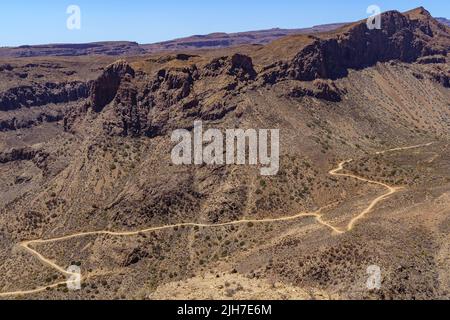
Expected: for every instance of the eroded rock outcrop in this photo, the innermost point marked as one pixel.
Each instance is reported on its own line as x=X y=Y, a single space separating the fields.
x=320 y=89
x=20 y=154
x=28 y=121
x=144 y=107
x=239 y=65
x=135 y=257
x=42 y=94
x=440 y=76
x=104 y=89
x=39 y=157
x=151 y=107
x=132 y=118
x=432 y=60
x=402 y=37
x=6 y=67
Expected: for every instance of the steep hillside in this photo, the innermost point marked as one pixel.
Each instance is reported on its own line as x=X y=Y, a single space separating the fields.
x=85 y=162
x=215 y=40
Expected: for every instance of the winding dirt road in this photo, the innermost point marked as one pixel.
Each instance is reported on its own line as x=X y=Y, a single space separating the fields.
x=391 y=191
x=317 y=215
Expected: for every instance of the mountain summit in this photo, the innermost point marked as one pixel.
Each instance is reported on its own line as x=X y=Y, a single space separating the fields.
x=404 y=37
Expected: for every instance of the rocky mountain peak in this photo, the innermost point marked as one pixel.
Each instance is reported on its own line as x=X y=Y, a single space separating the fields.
x=404 y=37
x=419 y=12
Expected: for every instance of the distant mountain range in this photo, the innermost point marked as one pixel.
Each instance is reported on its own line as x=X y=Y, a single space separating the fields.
x=444 y=21
x=209 y=41
x=221 y=40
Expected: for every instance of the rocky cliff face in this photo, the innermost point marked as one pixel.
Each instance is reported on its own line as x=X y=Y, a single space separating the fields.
x=240 y=66
x=402 y=37
x=37 y=156
x=150 y=106
x=173 y=97
x=104 y=89
x=111 y=168
x=39 y=95
x=320 y=89
x=28 y=121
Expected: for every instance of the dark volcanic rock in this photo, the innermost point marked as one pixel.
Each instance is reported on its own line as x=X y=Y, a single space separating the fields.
x=321 y=89
x=17 y=155
x=42 y=94
x=160 y=96
x=28 y=121
x=238 y=65
x=432 y=60
x=441 y=77
x=356 y=47
x=152 y=106
x=6 y=67
x=23 y=154
x=242 y=67
x=104 y=89
x=135 y=257
x=133 y=119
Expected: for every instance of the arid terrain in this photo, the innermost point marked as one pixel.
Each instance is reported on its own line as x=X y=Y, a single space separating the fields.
x=364 y=118
x=197 y=42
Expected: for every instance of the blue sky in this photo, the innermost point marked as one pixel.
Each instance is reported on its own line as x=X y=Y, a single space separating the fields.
x=147 y=21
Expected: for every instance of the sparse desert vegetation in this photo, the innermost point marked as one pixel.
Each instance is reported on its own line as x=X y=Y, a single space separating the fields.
x=87 y=178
